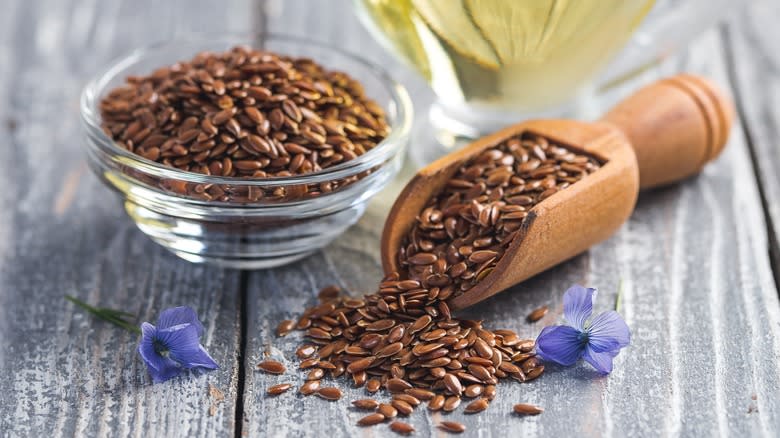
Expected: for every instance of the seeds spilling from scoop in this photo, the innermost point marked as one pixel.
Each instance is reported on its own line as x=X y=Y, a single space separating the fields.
x=403 y=337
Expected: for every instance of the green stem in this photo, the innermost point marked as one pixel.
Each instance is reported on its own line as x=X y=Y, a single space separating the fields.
x=116 y=317
x=619 y=298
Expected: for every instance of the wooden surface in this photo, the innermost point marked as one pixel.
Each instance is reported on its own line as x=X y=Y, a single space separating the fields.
x=694 y=260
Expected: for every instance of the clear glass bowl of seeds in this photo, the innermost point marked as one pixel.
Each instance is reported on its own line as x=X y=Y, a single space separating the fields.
x=245 y=151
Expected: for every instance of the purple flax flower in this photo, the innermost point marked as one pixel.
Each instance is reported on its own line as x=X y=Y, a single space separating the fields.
x=598 y=341
x=174 y=345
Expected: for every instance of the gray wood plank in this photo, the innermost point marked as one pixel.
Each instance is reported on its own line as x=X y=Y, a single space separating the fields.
x=698 y=295
x=753 y=44
x=66 y=374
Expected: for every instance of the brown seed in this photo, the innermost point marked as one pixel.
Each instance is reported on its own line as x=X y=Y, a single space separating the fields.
x=387 y=410
x=408 y=399
x=420 y=393
x=371 y=419
x=422 y=259
x=366 y=403
x=271 y=366
x=482 y=256
x=525 y=345
x=316 y=374
x=401 y=428
x=537 y=314
x=420 y=323
x=360 y=365
x=436 y=403
x=318 y=333
x=396 y=334
x=308 y=363
x=390 y=350
x=329 y=393
x=403 y=407
x=474 y=390
x=305 y=351
x=476 y=406
x=278 y=389
x=254 y=115
x=490 y=392
x=480 y=372
x=285 y=327
x=451 y=403
x=397 y=385
x=527 y=409
x=359 y=379
x=329 y=293
x=452 y=426
x=483 y=349
x=452 y=384
x=534 y=373
x=309 y=387
x=373 y=385
x=422 y=349
x=438 y=372
x=381 y=325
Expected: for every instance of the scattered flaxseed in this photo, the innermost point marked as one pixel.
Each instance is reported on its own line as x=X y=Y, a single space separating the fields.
x=401 y=428
x=285 y=327
x=366 y=403
x=403 y=336
x=278 y=389
x=271 y=366
x=329 y=393
x=371 y=419
x=476 y=406
x=537 y=314
x=452 y=426
x=527 y=409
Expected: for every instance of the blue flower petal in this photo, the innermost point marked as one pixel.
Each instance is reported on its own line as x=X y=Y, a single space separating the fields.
x=560 y=344
x=179 y=340
x=608 y=332
x=196 y=359
x=160 y=368
x=601 y=361
x=177 y=316
x=578 y=305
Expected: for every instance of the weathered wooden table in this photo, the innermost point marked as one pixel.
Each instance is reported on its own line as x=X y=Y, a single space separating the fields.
x=699 y=261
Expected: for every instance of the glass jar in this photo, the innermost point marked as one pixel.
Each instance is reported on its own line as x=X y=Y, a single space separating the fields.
x=241 y=222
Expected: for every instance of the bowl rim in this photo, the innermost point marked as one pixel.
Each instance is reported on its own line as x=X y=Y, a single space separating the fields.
x=400 y=126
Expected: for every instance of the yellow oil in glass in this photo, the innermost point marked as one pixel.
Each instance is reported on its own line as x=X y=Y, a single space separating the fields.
x=518 y=55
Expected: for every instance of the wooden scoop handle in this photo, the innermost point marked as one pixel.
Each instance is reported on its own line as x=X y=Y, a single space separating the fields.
x=675 y=126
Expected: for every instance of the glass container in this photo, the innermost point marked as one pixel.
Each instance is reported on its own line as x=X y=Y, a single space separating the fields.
x=241 y=222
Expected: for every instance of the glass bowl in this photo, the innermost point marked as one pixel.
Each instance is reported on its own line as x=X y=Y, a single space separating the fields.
x=239 y=222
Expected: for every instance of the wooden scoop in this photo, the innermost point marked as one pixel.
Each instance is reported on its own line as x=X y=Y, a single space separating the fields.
x=663 y=133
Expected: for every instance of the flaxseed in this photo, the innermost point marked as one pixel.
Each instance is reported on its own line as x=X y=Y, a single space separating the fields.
x=452 y=426
x=271 y=366
x=537 y=314
x=527 y=409
x=403 y=336
x=278 y=389
x=245 y=113
x=401 y=428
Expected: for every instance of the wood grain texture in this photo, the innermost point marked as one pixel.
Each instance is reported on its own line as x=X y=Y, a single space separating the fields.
x=64 y=373
x=752 y=43
x=698 y=288
x=698 y=294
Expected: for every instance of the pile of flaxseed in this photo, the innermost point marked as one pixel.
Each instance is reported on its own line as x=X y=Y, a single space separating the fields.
x=245 y=113
x=403 y=337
